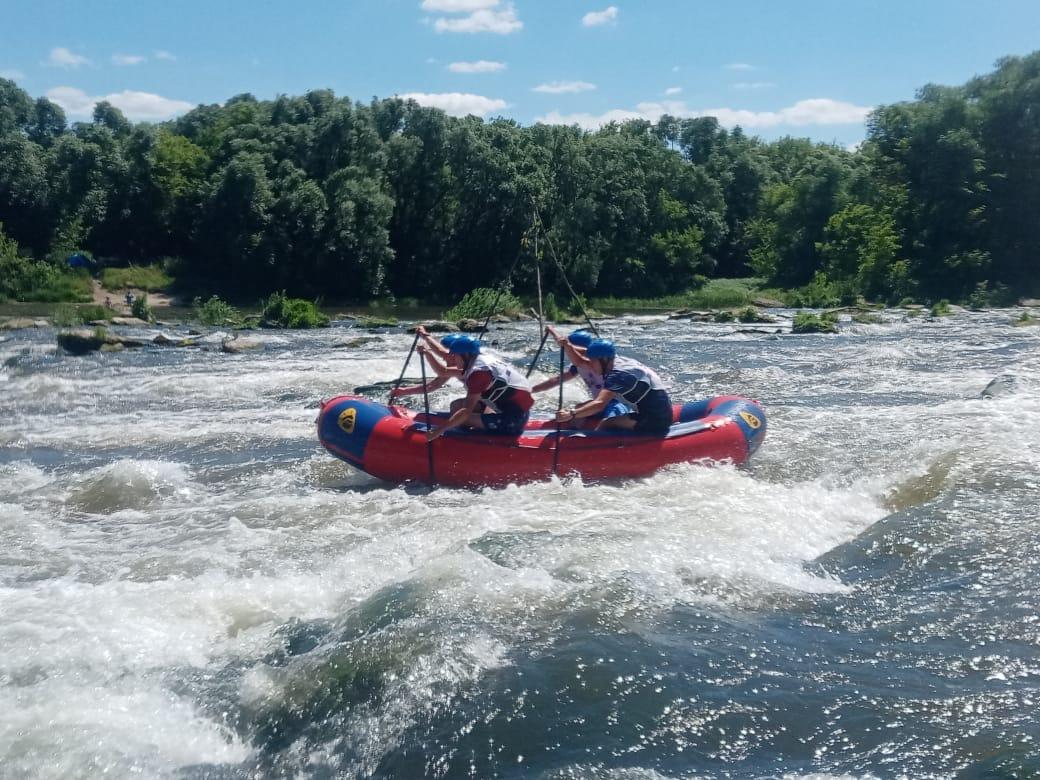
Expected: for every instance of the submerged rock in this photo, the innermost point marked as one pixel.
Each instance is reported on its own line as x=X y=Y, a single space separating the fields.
x=20 y=323
x=236 y=345
x=166 y=340
x=82 y=341
x=360 y=341
x=436 y=326
x=694 y=315
x=1000 y=385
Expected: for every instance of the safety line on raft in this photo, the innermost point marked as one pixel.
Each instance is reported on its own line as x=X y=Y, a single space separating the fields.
x=563 y=273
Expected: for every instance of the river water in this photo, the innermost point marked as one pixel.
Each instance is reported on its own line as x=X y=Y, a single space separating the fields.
x=190 y=587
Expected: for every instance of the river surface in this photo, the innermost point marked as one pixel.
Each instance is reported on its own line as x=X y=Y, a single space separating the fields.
x=190 y=587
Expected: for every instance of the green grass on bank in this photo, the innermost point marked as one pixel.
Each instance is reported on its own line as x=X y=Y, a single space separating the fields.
x=715 y=294
x=150 y=278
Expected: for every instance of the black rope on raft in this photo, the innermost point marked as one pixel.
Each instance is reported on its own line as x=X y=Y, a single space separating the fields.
x=563 y=273
x=501 y=289
x=404 y=368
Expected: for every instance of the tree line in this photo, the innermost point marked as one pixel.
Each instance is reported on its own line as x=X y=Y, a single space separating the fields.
x=322 y=195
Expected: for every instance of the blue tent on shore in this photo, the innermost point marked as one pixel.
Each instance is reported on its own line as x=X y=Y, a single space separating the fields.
x=79 y=260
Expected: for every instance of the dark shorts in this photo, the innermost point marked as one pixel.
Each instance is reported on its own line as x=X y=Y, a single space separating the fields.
x=614 y=408
x=654 y=417
x=505 y=424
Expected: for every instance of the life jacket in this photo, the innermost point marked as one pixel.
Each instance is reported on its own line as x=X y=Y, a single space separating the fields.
x=509 y=392
x=639 y=381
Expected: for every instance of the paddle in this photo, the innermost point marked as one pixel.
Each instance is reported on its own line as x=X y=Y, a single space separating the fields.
x=426 y=404
x=404 y=368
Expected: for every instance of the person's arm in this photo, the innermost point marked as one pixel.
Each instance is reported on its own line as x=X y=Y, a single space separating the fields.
x=575 y=354
x=551 y=382
x=434 y=344
x=433 y=384
x=458 y=418
x=595 y=406
x=442 y=370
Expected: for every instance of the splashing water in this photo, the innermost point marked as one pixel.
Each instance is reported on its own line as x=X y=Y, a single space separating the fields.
x=190 y=587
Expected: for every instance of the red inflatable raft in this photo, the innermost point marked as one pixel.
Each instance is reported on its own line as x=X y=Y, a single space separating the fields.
x=389 y=442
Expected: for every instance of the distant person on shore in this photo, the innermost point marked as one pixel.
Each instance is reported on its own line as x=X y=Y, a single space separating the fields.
x=581 y=366
x=129 y=298
x=489 y=381
x=632 y=382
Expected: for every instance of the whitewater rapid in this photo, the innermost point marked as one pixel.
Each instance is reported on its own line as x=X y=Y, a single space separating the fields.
x=191 y=587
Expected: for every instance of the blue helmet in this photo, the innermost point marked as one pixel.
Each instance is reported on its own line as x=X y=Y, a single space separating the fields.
x=601 y=348
x=450 y=339
x=464 y=345
x=580 y=338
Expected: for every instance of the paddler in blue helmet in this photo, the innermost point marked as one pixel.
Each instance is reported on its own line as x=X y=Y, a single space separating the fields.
x=504 y=392
x=632 y=382
x=574 y=346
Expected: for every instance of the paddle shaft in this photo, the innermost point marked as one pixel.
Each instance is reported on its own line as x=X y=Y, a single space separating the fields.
x=404 y=368
x=559 y=408
x=538 y=354
x=429 y=424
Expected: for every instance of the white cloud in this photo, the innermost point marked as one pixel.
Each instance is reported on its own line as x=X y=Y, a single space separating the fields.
x=754 y=85
x=457 y=103
x=562 y=87
x=162 y=54
x=500 y=21
x=816 y=111
x=673 y=90
x=127 y=59
x=60 y=57
x=13 y=75
x=739 y=66
x=134 y=105
x=480 y=66
x=597 y=18
x=458 y=6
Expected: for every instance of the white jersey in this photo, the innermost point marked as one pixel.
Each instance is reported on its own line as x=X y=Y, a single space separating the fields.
x=593 y=379
x=505 y=378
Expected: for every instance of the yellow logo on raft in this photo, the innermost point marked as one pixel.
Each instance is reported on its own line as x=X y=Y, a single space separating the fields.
x=347 y=418
x=753 y=422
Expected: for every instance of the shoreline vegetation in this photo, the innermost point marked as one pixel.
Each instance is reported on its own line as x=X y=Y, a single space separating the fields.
x=256 y=211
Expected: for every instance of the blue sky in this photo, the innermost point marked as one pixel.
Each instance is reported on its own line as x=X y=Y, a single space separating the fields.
x=803 y=67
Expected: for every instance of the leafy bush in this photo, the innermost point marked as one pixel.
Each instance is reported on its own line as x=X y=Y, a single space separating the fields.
x=807 y=322
x=483 y=302
x=281 y=311
x=752 y=314
x=724 y=316
x=150 y=278
x=941 y=309
x=983 y=297
x=215 y=312
x=820 y=293
x=140 y=309
x=70 y=315
x=24 y=279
